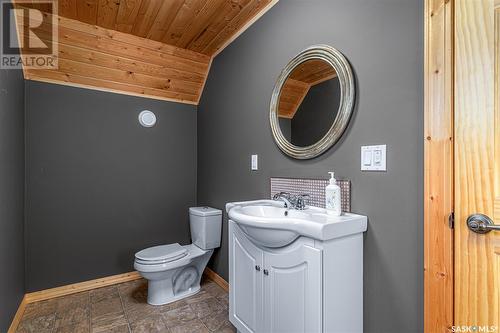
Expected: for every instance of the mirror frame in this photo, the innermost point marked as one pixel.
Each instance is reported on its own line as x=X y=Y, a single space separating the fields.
x=344 y=112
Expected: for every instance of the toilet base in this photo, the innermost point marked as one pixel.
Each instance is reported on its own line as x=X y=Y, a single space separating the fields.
x=158 y=294
x=173 y=281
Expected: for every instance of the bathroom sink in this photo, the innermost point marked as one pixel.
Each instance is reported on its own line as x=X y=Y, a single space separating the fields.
x=269 y=224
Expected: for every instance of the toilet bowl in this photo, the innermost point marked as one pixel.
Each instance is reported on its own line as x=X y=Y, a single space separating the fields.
x=174 y=271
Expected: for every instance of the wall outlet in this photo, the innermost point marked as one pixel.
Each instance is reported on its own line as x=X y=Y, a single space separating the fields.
x=373 y=158
x=255 y=162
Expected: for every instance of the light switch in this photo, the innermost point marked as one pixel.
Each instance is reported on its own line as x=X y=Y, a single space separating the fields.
x=367 y=158
x=373 y=158
x=255 y=162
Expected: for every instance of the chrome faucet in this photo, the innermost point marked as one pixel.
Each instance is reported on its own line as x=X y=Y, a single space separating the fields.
x=292 y=201
x=287 y=198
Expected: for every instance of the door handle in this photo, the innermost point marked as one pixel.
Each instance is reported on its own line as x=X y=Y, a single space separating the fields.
x=481 y=224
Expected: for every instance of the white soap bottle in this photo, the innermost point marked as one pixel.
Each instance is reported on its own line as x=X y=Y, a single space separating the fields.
x=333 y=197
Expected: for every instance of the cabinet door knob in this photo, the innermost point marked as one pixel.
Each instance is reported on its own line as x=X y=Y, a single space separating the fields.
x=266 y=272
x=257 y=268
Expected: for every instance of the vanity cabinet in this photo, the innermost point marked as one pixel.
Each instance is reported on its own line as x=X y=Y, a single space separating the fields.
x=296 y=288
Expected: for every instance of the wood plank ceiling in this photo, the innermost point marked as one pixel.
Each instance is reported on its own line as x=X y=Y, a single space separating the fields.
x=297 y=85
x=154 y=48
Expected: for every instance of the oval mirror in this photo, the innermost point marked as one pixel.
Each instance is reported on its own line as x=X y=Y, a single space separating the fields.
x=312 y=102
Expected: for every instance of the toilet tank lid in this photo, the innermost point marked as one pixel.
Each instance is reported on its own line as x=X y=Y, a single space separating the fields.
x=204 y=211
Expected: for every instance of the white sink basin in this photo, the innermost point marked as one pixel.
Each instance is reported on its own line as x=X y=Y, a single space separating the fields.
x=269 y=224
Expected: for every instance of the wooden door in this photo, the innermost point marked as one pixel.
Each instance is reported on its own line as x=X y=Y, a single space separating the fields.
x=293 y=290
x=245 y=282
x=477 y=161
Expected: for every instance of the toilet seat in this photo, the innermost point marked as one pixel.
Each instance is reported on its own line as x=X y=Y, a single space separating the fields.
x=161 y=254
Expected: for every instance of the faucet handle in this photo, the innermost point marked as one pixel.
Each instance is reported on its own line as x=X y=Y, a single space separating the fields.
x=301 y=202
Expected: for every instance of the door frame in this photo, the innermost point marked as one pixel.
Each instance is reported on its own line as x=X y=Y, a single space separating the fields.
x=438 y=165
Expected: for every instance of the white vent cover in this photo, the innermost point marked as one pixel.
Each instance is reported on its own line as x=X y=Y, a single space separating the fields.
x=147 y=118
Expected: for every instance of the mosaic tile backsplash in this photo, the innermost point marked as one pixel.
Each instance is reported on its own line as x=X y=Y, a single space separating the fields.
x=314 y=187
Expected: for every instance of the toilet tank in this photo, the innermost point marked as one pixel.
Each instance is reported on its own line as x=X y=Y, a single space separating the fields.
x=205 y=223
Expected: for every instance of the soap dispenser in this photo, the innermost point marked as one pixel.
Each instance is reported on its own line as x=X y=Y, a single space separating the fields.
x=333 y=199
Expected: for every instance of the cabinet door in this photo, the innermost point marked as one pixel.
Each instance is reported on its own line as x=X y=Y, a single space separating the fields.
x=245 y=282
x=293 y=290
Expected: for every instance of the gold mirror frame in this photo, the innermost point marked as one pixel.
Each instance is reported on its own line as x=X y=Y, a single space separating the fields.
x=344 y=112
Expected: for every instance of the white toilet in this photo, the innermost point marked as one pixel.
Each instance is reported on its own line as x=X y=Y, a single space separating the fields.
x=174 y=271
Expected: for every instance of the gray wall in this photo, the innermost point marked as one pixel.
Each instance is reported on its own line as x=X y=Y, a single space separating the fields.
x=11 y=194
x=383 y=40
x=99 y=186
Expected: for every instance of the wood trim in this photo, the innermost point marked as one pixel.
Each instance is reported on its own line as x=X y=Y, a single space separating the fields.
x=204 y=81
x=67 y=82
x=19 y=314
x=245 y=27
x=216 y=278
x=74 y=288
x=80 y=286
x=438 y=169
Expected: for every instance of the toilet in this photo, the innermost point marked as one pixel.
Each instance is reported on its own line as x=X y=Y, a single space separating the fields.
x=174 y=271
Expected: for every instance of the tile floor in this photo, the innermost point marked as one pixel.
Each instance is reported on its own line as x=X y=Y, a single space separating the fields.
x=123 y=308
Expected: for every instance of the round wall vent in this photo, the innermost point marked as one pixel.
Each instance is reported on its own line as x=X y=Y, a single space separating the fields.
x=147 y=118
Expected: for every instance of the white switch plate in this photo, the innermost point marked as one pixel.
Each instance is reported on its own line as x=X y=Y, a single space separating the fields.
x=255 y=162
x=374 y=158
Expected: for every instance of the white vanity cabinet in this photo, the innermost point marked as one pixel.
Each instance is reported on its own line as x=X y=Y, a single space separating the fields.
x=307 y=286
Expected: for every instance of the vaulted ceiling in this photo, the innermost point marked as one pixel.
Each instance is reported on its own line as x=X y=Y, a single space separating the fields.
x=154 y=48
x=203 y=26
